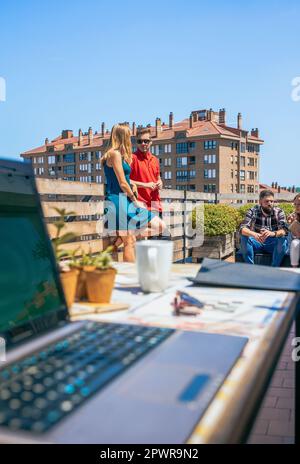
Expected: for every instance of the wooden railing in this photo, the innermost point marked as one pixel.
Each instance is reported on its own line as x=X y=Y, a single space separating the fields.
x=85 y=200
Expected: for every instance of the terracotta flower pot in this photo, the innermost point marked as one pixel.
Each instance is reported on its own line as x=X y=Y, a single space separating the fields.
x=69 y=283
x=81 y=293
x=99 y=285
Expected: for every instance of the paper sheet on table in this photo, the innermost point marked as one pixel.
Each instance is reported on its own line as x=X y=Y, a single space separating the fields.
x=242 y=312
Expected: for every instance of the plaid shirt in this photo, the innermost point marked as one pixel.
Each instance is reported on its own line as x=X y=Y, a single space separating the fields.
x=255 y=220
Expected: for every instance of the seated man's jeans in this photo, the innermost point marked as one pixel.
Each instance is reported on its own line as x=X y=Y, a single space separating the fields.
x=278 y=247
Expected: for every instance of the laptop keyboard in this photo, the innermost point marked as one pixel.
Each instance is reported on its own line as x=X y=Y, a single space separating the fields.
x=39 y=390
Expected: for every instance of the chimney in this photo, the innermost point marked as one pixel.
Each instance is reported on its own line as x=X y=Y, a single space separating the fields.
x=46 y=141
x=279 y=189
x=102 y=129
x=80 y=137
x=255 y=132
x=90 y=136
x=272 y=185
x=276 y=185
x=157 y=126
x=222 y=116
x=239 y=121
x=195 y=117
x=210 y=114
x=133 y=129
x=66 y=134
x=293 y=189
x=191 y=120
x=171 y=120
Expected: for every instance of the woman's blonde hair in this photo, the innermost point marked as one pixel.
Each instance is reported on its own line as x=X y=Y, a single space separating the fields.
x=119 y=140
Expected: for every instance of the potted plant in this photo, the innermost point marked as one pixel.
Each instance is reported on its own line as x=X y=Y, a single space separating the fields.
x=68 y=273
x=100 y=277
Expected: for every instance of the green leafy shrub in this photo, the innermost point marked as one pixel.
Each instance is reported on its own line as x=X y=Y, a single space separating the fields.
x=288 y=208
x=242 y=210
x=218 y=219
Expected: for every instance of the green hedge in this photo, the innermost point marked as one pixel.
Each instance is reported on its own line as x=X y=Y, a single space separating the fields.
x=218 y=219
x=288 y=208
x=223 y=219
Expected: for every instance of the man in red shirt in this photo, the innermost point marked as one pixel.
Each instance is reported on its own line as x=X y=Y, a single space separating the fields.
x=145 y=172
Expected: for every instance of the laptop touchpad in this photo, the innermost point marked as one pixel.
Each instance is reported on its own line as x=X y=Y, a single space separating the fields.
x=166 y=383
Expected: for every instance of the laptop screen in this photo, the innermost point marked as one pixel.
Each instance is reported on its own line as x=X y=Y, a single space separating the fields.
x=31 y=298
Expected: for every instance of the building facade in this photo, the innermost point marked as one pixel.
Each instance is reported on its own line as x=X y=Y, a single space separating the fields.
x=200 y=153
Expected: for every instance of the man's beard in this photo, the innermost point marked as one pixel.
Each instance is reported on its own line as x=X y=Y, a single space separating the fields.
x=267 y=209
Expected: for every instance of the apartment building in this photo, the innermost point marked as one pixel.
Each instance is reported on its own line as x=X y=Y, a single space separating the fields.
x=199 y=153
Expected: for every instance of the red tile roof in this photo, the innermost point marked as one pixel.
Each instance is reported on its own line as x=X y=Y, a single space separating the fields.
x=275 y=190
x=200 y=128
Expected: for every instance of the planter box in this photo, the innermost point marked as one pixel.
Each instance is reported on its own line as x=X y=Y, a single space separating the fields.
x=217 y=247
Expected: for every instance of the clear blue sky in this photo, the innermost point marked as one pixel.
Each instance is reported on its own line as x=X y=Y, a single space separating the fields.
x=76 y=63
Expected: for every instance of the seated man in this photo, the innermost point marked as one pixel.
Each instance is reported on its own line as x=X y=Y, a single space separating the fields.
x=294 y=221
x=264 y=230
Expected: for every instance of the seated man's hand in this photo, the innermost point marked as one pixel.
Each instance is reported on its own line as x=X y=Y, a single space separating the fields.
x=265 y=233
x=258 y=237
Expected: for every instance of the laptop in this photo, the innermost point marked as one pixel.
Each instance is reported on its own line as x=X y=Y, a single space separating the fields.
x=88 y=382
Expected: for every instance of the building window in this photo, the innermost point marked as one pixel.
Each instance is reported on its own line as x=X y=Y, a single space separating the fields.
x=98 y=166
x=242 y=175
x=51 y=159
x=252 y=148
x=243 y=147
x=242 y=188
x=83 y=167
x=83 y=156
x=250 y=188
x=168 y=175
x=69 y=158
x=51 y=171
x=181 y=176
x=167 y=161
x=210 y=144
x=192 y=174
x=209 y=159
x=69 y=169
x=192 y=160
x=251 y=175
x=243 y=161
x=183 y=161
x=250 y=161
x=39 y=171
x=182 y=147
x=192 y=146
x=209 y=173
x=234 y=145
x=98 y=179
x=209 y=188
